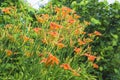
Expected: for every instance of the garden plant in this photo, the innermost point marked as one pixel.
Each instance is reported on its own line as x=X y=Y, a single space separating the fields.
x=64 y=40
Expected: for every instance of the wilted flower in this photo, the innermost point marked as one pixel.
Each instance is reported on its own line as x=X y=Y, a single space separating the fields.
x=90 y=34
x=76 y=16
x=87 y=40
x=95 y=66
x=27 y=54
x=44 y=41
x=8 y=52
x=40 y=19
x=75 y=73
x=60 y=40
x=86 y=23
x=57 y=9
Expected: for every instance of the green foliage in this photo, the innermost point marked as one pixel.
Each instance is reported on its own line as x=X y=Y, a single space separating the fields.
x=23 y=19
x=105 y=18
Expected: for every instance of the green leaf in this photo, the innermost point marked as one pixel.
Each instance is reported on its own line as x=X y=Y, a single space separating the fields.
x=115 y=36
x=101 y=68
x=95 y=21
x=73 y=4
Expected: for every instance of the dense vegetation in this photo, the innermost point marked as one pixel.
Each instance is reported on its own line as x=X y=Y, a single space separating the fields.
x=65 y=40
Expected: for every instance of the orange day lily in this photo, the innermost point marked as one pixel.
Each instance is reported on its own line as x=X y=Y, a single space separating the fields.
x=71 y=21
x=90 y=57
x=97 y=33
x=37 y=29
x=77 y=31
x=60 y=45
x=65 y=66
x=53 y=25
x=50 y=60
x=81 y=42
x=25 y=38
x=54 y=33
x=6 y=10
x=77 y=50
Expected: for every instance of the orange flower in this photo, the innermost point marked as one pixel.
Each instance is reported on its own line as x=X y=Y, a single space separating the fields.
x=71 y=21
x=53 y=25
x=66 y=66
x=37 y=29
x=77 y=31
x=8 y=52
x=50 y=60
x=42 y=18
x=54 y=34
x=97 y=33
x=81 y=42
x=90 y=57
x=95 y=66
x=6 y=10
x=45 y=16
x=77 y=50
x=60 y=45
x=25 y=38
